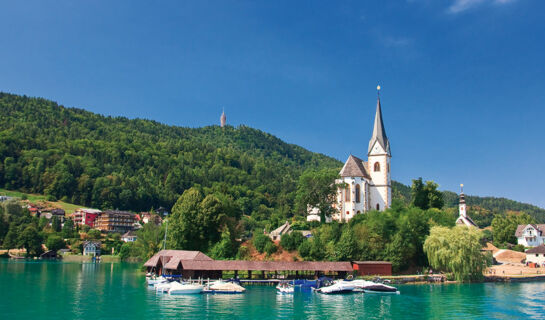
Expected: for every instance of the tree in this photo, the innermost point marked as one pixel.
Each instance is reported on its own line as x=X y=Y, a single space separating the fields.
x=149 y=239
x=505 y=226
x=317 y=189
x=226 y=248
x=10 y=240
x=456 y=250
x=55 y=224
x=31 y=241
x=346 y=248
x=55 y=242
x=426 y=196
x=260 y=241
x=195 y=221
x=94 y=234
x=68 y=229
x=270 y=248
x=291 y=241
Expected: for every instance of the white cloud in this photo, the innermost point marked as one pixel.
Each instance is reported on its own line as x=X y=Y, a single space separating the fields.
x=462 y=5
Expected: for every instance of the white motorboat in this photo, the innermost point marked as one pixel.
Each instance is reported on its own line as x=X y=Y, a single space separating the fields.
x=285 y=288
x=163 y=287
x=177 y=288
x=373 y=287
x=152 y=281
x=338 y=287
x=224 y=287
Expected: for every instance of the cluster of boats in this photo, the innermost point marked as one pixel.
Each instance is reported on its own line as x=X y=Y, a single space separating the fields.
x=343 y=286
x=173 y=286
x=176 y=286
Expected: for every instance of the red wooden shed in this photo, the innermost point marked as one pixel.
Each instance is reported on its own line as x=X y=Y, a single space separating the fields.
x=364 y=268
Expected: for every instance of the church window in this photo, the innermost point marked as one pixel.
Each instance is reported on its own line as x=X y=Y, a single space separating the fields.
x=378 y=206
x=388 y=165
x=358 y=193
x=358 y=212
x=347 y=194
x=377 y=167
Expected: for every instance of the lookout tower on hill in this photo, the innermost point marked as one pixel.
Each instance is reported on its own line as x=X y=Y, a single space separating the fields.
x=223 y=119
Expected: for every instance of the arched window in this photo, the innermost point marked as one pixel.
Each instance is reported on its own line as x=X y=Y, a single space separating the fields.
x=347 y=194
x=377 y=167
x=378 y=207
x=358 y=193
x=388 y=167
x=358 y=212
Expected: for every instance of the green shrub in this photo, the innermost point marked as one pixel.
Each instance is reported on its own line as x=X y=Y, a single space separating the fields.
x=51 y=197
x=270 y=248
x=260 y=241
x=55 y=242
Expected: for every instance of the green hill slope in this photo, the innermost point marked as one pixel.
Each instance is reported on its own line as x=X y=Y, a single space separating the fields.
x=106 y=162
x=113 y=162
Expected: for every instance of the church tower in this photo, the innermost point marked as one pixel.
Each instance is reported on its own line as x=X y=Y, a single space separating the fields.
x=223 y=119
x=379 y=156
x=462 y=205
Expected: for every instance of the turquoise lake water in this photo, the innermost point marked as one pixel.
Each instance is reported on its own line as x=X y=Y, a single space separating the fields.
x=56 y=290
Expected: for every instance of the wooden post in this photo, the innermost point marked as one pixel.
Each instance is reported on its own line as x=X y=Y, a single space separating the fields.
x=250 y=274
x=262 y=274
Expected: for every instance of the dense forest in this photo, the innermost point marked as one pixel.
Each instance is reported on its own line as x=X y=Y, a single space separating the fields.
x=105 y=162
x=113 y=162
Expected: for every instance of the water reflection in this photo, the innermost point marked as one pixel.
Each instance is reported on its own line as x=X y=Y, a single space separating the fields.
x=104 y=291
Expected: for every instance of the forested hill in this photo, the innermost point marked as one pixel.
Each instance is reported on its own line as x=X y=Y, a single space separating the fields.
x=482 y=209
x=115 y=162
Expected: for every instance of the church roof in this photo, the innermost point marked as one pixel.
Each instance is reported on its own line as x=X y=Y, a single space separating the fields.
x=466 y=221
x=379 y=133
x=354 y=167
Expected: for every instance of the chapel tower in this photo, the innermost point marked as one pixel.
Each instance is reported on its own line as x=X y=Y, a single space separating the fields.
x=379 y=156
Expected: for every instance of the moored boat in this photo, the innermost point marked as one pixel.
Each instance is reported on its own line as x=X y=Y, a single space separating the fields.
x=224 y=287
x=373 y=287
x=285 y=288
x=177 y=288
x=337 y=288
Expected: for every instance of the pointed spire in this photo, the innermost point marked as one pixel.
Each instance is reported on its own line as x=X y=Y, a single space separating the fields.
x=379 y=133
x=223 y=118
x=462 y=196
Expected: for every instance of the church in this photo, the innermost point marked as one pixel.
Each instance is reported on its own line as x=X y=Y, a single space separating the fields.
x=364 y=185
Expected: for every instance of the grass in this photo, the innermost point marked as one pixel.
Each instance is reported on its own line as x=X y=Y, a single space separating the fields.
x=69 y=208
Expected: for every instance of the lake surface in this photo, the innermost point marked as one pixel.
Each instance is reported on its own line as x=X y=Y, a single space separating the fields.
x=57 y=290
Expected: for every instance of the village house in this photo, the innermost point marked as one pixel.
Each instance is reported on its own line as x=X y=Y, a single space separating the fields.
x=148 y=217
x=129 y=236
x=536 y=255
x=277 y=233
x=91 y=248
x=530 y=235
x=85 y=216
x=115 y=221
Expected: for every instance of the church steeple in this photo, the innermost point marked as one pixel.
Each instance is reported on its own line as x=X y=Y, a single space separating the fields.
x=379 y=133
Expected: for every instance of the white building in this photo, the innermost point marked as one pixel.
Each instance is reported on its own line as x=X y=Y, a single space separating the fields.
x=366 y=185
x=530 y=235
x=536 y=255
x=463 y=218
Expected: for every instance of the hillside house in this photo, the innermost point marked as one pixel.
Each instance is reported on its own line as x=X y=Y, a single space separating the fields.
x=91 y=248
x=129 y=236
x=277 y=233
x=530 y=235
x=536 y=255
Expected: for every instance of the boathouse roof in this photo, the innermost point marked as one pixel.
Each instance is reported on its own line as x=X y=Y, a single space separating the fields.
x=243 y=265
x=173 y=257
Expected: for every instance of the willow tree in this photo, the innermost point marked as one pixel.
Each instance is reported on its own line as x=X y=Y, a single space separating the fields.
x=456 y=250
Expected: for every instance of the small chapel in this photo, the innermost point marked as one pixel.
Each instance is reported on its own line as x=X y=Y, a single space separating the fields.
x=364 y=185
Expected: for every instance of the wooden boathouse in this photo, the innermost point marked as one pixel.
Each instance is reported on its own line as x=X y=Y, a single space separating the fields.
x=195 y=264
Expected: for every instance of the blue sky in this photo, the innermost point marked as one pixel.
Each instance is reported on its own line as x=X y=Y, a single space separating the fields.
x=463 y=81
